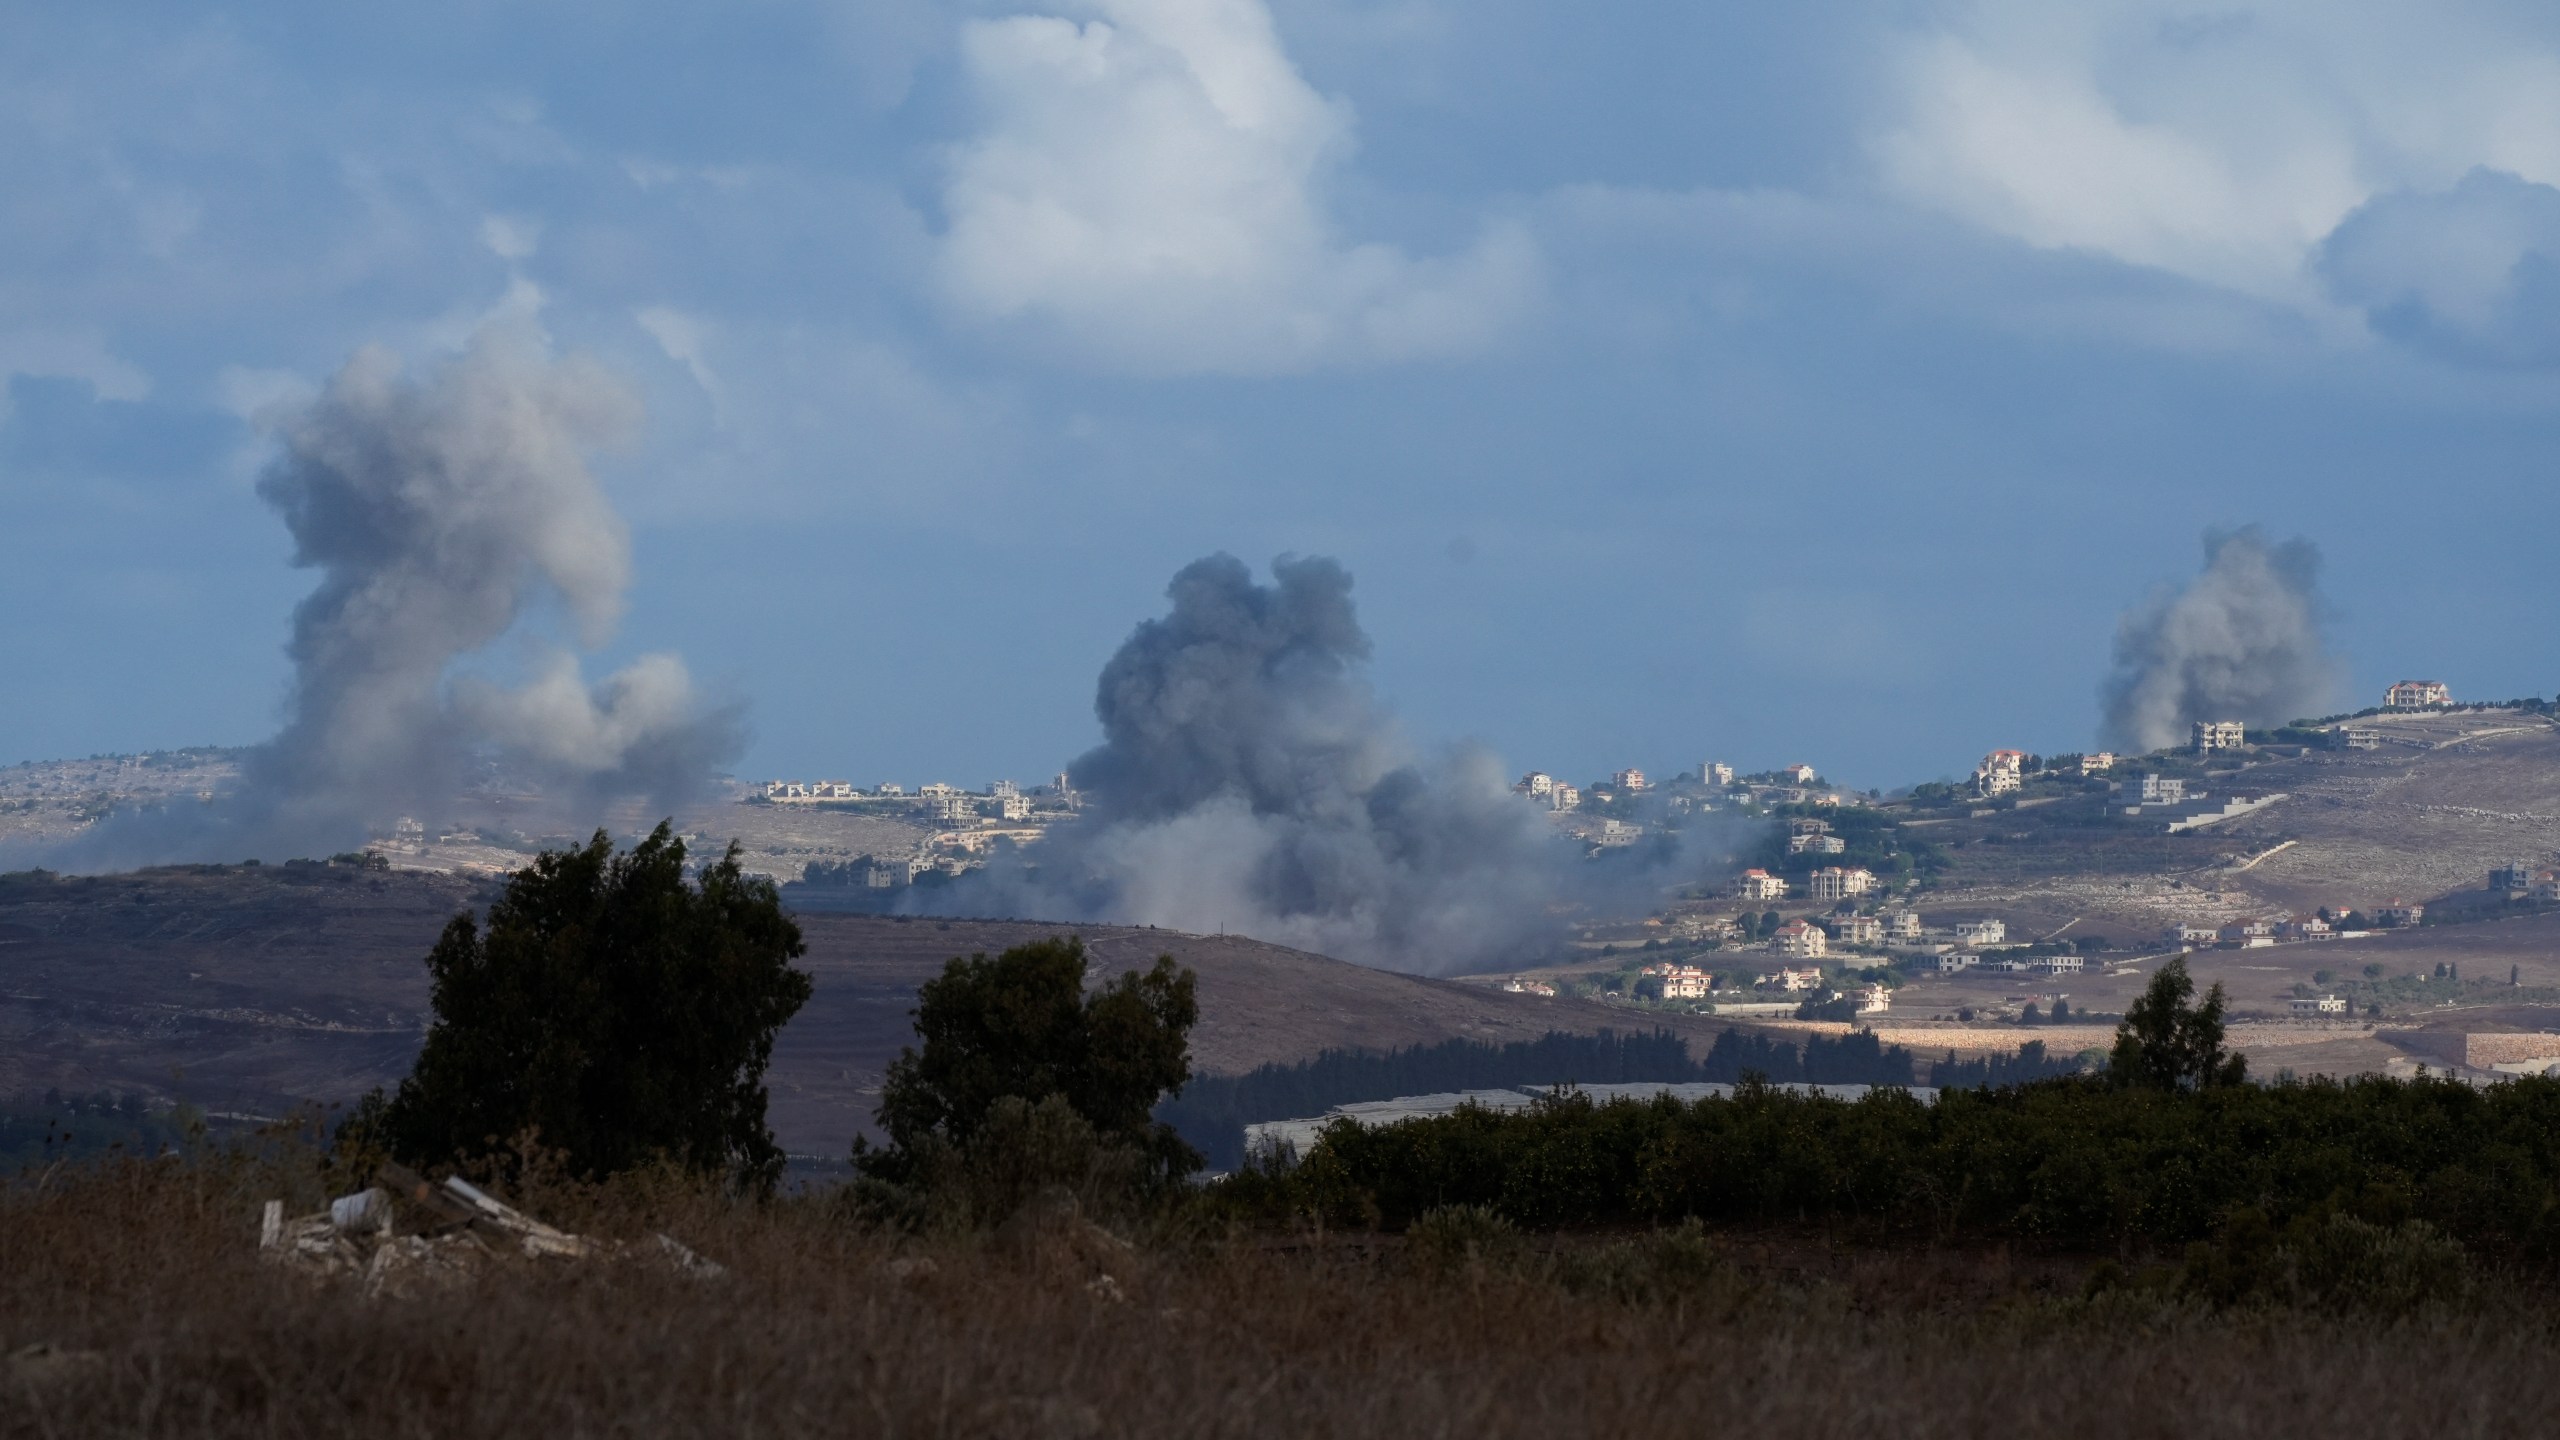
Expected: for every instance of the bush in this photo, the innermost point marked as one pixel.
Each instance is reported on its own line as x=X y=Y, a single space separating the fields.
x=610 y=1011
x=1013 y=1045
x=1462 y=1239
x=1022 y=1150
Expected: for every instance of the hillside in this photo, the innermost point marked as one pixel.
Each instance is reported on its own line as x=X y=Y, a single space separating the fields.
x=2445 y=797
x=248 y=989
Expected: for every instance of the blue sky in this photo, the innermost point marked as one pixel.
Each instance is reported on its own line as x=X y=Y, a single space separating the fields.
x=1678 y=381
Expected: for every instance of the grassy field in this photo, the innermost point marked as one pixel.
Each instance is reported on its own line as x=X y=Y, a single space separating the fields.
x=145 y=1280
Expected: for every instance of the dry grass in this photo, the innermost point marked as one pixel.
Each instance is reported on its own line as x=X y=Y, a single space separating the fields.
x=153 y=1267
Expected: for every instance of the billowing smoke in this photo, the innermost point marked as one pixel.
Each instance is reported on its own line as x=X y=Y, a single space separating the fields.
x=441 y=510
x=1248 y=781
x=2241 y=642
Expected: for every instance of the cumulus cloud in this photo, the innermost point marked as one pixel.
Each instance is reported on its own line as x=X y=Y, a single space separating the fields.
x=440 y=510
x=2471 y=273
x=2241 y=642
x=2223 y=148
x=1148 y=188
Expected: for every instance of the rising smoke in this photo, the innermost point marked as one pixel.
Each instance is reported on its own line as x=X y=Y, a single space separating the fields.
x=440 y=510
x=2241 y=642
x=1248 y=781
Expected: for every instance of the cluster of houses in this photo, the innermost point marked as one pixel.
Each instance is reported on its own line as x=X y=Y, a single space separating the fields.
x=1555 y=794
x=1690 y=982
x=1001 y=801
x=1831 y=882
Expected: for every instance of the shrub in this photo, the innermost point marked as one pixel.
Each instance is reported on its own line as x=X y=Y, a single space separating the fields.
x=1468 y=1239
x=614 y=1013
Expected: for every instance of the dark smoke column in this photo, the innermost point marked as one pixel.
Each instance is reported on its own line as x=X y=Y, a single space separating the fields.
x=1248 y=781
x=2241 y=642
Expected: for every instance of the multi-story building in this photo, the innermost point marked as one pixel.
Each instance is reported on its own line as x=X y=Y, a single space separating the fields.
x=2102 y=761
x=2000 y=772
x=1981 y=932
x=2247 y=934
x=1856 y=929
x=2395 y=914
x=2546 y=887
x=2515 y=877
x=2057 y=964
x=2190 y=936
x=2212 y=735
x=1904 y=926
x=2306 y=927
x=1630 y=780
x=2151 y=790
x=1712 y=773
x=1834 y=882
x=1012 y=806
x=1793 y=980
x=1815 y=843
x=1761 y=885
x=2416 y=694
x=1565 y=797
x=1537 y=785
x=1800 y=774
x=1802 y=940
x=2317 y=1005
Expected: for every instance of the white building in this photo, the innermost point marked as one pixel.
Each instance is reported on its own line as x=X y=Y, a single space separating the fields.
x=1537 y=785
x=1712 y=773
x=1981 y=932
x=2190 y=936
x=1856 y=929
x=937 y=790
x=1905 y=925
x=1793 y=980
x=1815 y=844
x=2415 y=694
x=2000 y=772
x=2057 y=964
x=1800 y=774
x=1565 y=797
x=1627 y=780
x=1801 y=940
x=1010 y=806
x=1833 y=882
x=2093 y=764
x=2151 y=790
x=2212 y=735
x=2317 y=1005
x=1761 y=885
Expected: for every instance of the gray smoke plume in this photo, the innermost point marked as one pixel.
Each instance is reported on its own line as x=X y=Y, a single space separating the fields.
x=1248 y=781
x=439 y=510
x=2241 y=642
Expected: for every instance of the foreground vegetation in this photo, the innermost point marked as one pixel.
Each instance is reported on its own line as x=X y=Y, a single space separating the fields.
x=145 y=1278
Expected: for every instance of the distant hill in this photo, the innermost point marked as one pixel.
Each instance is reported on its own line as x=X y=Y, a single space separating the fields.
x=253 y=988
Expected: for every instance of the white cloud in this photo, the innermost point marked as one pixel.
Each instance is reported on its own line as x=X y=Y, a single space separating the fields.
x=1149 y=186
x=2222 y=148
x=684 y=340
x=69 y=354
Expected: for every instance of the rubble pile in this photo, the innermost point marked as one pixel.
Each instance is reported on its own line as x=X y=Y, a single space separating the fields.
x=455 y=1231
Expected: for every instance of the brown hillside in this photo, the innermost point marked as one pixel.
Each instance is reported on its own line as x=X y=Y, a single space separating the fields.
x=249 y=989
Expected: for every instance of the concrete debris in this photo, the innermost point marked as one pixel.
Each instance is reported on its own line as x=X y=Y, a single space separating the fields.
x=458 y=1230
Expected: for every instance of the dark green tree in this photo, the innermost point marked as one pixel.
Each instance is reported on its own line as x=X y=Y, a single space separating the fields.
x=2168 y=1041
x=1022 y=1025
x=616 y=1013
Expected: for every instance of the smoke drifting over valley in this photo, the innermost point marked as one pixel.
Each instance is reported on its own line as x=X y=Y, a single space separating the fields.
x=441 y=510
x=2240 y=642
x=1249 y=781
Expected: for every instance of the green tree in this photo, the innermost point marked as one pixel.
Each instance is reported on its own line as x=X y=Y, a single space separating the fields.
x=1022 y=1026
x=615 y=1012
x=2170 y=1042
